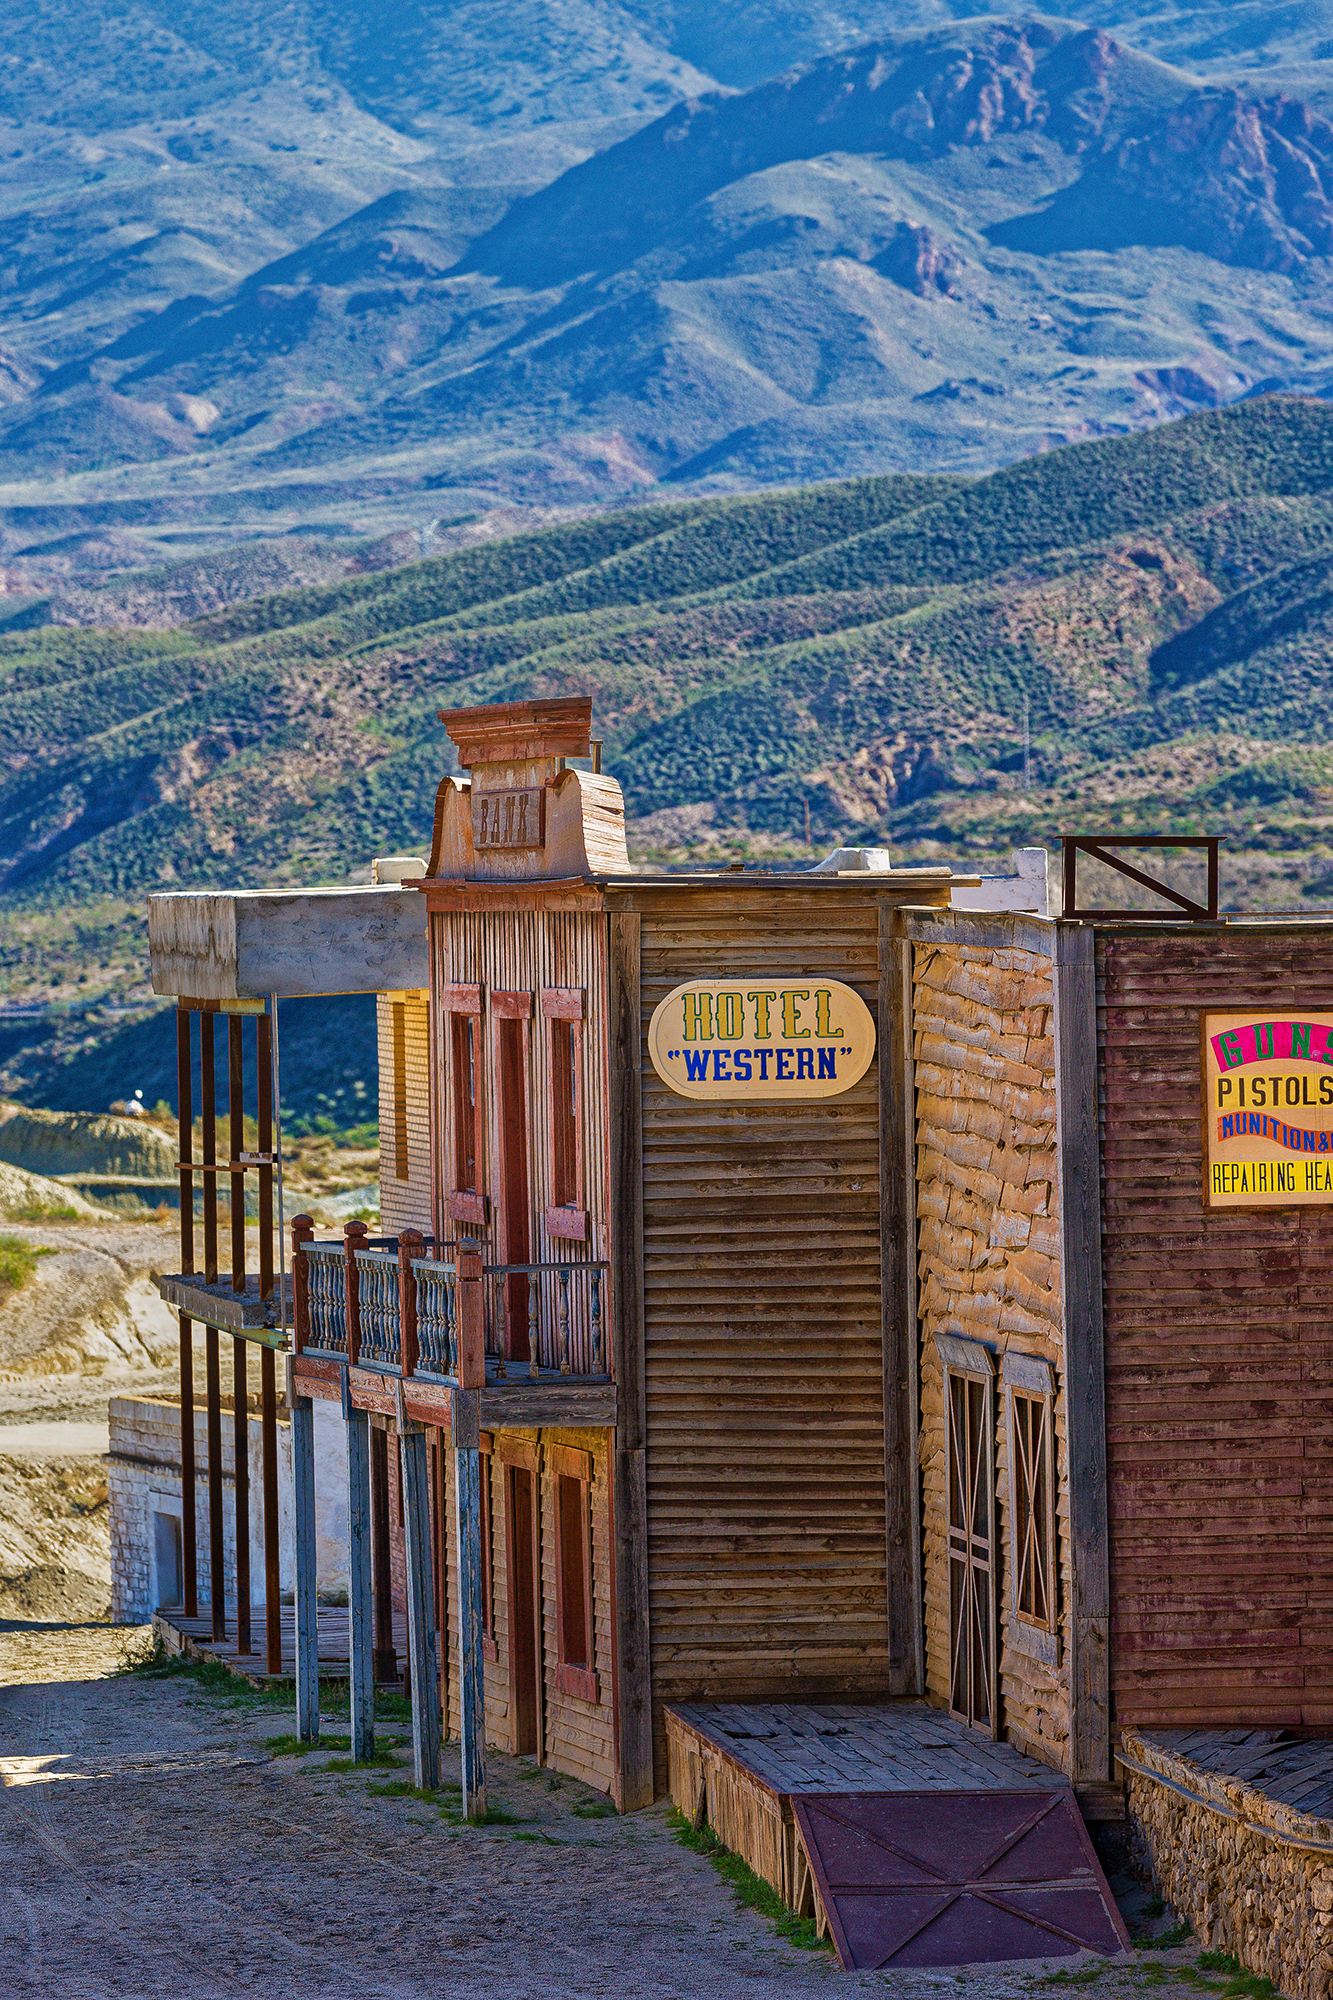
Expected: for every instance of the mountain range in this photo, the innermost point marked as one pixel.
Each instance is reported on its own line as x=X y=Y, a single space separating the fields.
x=1129 y=633
x=320 y=272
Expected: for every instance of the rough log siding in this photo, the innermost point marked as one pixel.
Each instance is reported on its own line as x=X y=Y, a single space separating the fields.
x=988 y=1260
x=405 y=1204
x=763 y=1346
x=1219 y=1360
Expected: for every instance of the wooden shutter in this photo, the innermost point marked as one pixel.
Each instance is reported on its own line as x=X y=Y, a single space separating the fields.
x=969 y=1456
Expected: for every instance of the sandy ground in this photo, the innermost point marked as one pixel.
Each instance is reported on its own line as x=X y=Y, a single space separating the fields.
x=153 y=1844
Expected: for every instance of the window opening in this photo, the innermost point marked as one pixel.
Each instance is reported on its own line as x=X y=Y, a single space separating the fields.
x=167 y=1564
x=575 y=1669
x=1034 y=1529
x=400 y=1168
x=563 y=1007
x=565 y=1111
x=1032 y=1508
x=464 y=1066
x=490 y=1648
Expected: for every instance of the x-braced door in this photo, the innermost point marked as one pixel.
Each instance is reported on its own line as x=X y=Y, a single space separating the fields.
x=970 y=1476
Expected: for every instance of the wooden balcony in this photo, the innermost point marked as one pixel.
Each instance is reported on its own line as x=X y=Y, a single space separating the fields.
x=408 y=1321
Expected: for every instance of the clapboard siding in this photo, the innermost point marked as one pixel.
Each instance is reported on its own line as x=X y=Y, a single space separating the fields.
x=577 y=1735
x=405 y=1204
x=1219 y=1360
x=988 y=1264
x=763 y=1352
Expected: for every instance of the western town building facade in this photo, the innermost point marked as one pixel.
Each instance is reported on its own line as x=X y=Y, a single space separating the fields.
x=794 y=1289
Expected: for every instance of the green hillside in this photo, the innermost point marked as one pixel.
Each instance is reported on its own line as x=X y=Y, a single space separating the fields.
x=1157 y=610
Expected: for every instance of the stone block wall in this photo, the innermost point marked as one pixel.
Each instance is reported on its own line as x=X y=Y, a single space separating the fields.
x=144 y=1479
x=1253 y=1877
x=988 y=1266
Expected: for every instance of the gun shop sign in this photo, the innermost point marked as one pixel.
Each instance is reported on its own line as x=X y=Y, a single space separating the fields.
x=1267 y=1110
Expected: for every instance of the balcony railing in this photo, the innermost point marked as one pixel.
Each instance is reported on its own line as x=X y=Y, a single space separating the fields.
x=380 y=1303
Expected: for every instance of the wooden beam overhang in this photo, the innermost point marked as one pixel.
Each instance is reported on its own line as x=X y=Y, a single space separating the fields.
x=556 y=1401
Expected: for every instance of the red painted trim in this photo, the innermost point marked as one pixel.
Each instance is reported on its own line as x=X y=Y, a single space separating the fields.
x=567 y=1225
x=511 y=1006
x=563 y=1003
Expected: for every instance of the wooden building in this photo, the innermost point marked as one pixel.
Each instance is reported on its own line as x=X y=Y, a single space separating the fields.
x=800 y=1288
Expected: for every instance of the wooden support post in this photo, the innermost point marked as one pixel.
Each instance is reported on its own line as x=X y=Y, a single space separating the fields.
x=471 y=1673
x=303 y=1229
x=268 y=1441
x=185 y=1108
x=268 y=1398
x=240 y=1433
x=307 y=1629
x=217 y=1596
x=360 y=1595
x=236 y=1146
x=420 y=1609
x=898 y=1278
x=264 y=1145
x=386 y=1657
x=354 y=1239
x=411 y=1243
x=212 y=1365
x=471 y=1316
x=1079 y=1167
x=632 y=1684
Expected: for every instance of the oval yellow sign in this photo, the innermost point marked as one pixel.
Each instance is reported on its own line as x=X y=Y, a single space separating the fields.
x=761 y=1040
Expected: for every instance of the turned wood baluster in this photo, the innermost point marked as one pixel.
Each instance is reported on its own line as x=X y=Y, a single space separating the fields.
x=595 y=1322
x=410 y=1244
x=564 y=1319
x=303 y=1230
x=534 y=1324
x=354 y=1239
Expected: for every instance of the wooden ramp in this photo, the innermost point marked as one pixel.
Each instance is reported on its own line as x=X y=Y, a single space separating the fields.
x=745 y=1768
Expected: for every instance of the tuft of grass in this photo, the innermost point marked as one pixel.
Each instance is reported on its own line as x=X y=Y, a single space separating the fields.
x=291 y=1745
x=384 y=1758
x=1083 y=1975
x=594 y=1809
x=151 y=1659
x=18 y=1261
x=1242 y=1984
x=747 y=1889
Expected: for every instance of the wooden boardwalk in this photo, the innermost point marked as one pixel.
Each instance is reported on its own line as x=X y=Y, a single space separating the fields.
x=195 y=1635
x=1291 y=1771
x=898 y=1746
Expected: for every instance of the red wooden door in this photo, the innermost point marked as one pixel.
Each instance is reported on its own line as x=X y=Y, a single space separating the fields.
x=515 y=1204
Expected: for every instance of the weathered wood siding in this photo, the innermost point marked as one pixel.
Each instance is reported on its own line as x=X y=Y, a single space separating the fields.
x=577 y=1736
x=763 y=1346
x=405 y=1204
x=518 y=951
x=988 y=1261
x=1219 y=1359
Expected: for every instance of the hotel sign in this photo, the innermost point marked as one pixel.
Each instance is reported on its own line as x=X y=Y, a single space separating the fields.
x=757 y=1040
x=1267 y=1110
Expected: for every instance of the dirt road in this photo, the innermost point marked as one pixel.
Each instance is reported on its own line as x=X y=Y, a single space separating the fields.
x=153 y=1845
